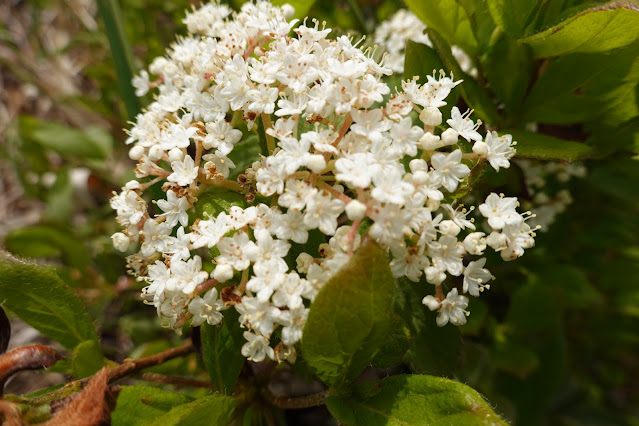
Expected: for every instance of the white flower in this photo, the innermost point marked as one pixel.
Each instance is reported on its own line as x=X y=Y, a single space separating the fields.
x=236 y=251
x=322 y=211
x=185 y=276
x=447 y=255
x=258 y=315
x=184 y=172
x=453 y=309
x=206 y=308
x=475 y=243
x=293 y=321
x=464 y=125
x=499 y=150
x=476 y=277
x=257 y=348
x=500 y=211
x=448 y=169
x=174 y=209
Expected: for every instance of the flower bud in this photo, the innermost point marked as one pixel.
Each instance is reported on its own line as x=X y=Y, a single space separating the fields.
x=136 y=152
x=448 y=227
x=450 y=137
x=316 y=163
x=304 y=261
x=430 y=142
x=434 y=275
x=432 y=303
x=155 y=153
x=431 y=116
x=480 y=148
x=120 y=241
x=475 y=243
x=223 y=273
x=176 y=154
x=355 y=210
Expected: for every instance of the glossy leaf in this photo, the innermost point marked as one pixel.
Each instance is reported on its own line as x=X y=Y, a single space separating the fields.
x=350 y=318
x=435 y=349
x=212 y=410
x=600 y=29
x=39 y=297
x=413 y=400
x=140 y=405
x=513 y=16
x=221 y=345
x=449 y=18
x=544 y=147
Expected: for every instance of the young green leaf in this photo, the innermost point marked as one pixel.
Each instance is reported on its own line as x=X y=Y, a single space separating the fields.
x=40 y=298
x=140 y=405
x=413 y=400
x=213 y=410
x=221 y=347
x=350 y=318
x=600 y=29
x=544 y=147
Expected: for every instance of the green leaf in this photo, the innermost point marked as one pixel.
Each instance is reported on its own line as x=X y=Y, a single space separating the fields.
x=244 y=154
x=350 y=318
x=301 y=6
x=47 y=241
x=569 y=283
x=140 y=405
x=87 y=359
x=212 y=410
x=514 y=358
x=59 y=197
x=544 y=147
x=396 y=346
x=513 y=17
x=600 y=29
x=449 y=18
x=600 y=88
x=215 y=201
x=435 y=349
x=533 y=308
x=221 y=347
x=420 y=61
x=40 y=298
x=502 y=56
x=63 y=139
x=413 y=400
x=121 y=52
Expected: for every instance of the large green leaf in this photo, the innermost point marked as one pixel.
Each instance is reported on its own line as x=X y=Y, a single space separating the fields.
x=211 y=410
x=513 y=16
x=140 y=405
x=600 y=88
x=40 y=298
x=89 y=143
x=47 y=241
x=350 y=318
x=221 y=347
x=544 y=147
x=600 y=29
x=435 y=349
x=449 y=18
x=413 y=400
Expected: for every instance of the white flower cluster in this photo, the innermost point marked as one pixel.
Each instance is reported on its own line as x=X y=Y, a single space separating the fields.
x=344 y=157
x=544 y=204
x=393 y=34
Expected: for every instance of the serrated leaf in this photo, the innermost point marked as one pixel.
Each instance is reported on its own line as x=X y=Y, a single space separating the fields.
x=140 y=405
x=221 y=346
x=602 y=28
x=39 y=297
x=420 y=60
x=40 y=241
x=413 y=400
x=449 y=18
x=513 y=16
x=62 y=139
x=436 y=358
x=350 y=317
x=544 y=147
x=87 y=359
x=212 y=410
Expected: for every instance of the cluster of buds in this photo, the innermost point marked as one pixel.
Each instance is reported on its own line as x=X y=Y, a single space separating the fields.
x=342 y=156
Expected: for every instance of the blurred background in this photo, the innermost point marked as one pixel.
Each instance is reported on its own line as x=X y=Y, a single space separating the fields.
x=555 y=340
